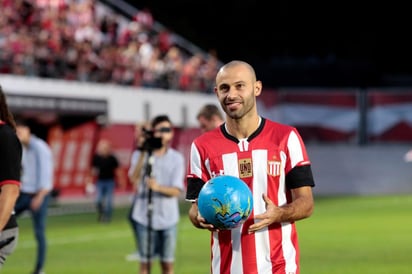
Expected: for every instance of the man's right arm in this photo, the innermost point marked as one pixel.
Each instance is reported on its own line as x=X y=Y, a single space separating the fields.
x=136 y=171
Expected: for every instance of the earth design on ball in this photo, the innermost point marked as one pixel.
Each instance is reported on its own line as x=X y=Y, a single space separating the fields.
x=225 y=201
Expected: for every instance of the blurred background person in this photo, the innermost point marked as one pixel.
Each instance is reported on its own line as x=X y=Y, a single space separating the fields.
x=209 y=117
x=10 y=162
x=107 y=172
x=36 y=185
x=158 y=171
x=408 y=156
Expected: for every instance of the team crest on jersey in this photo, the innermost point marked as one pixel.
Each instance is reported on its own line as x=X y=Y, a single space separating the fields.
x=274 y=168
x=245 y=168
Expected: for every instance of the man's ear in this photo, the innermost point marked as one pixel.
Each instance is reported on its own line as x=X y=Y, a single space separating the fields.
x=258 y=88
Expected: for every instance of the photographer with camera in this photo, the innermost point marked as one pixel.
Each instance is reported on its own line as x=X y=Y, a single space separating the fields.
x=157 y=171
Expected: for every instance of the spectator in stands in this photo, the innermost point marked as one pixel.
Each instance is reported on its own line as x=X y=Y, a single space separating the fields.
x=10 y=162
x=36 y=185
x=208 y=71
x=173 y=62
x=145 y=18
x=165 y=40
x=158 y=172
x=106 y=170
x=209 y=117
x=109 y=27
x=190 y=79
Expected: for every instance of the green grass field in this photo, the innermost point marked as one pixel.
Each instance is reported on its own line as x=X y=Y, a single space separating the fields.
x=345 y=235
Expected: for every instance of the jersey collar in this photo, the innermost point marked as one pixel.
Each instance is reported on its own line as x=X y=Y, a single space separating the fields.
x=253 y=135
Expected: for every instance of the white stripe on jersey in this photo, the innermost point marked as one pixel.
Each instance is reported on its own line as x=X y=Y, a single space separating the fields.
x=243 y=144
x=260 y=186
x=236 y=265
x=288 y=248
x=230 y=167
x=216 y=253
x=289 y=251
x=207 y=164
x=230 y=164
x=295 y=149
x=195 y=157
x=281 y=188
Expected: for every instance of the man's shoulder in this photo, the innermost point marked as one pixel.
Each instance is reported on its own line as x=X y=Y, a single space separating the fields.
x=174 y=152
x=7 y=132
x=278 y=126
x=39 y=143
x=209 y=135
x=175 y=155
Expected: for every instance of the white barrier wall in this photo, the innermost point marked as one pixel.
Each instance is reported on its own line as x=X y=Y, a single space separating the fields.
x=126 y=105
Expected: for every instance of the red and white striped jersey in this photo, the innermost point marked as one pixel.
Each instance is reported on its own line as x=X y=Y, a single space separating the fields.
x=264 y=161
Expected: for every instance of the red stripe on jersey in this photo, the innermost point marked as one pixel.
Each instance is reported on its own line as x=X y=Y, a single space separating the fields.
x=225 y=245
x=248 y=248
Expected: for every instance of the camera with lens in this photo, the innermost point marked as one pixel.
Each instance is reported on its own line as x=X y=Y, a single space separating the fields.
x=150 y=141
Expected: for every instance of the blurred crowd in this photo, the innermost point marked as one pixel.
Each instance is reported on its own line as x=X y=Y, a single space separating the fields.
x=76 y=40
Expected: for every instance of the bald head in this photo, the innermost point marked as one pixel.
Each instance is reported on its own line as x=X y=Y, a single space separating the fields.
x=237 y=89
x=104 y=147
x=241 y=65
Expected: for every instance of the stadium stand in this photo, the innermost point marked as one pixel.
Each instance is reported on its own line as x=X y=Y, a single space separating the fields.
x=99 y=41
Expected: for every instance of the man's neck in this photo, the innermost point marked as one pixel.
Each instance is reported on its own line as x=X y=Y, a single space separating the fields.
x=242 y=129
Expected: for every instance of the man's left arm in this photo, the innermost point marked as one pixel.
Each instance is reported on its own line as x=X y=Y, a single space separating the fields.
x=300 y=208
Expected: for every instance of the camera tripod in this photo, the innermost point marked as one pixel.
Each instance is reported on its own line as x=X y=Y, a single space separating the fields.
x=148 y=174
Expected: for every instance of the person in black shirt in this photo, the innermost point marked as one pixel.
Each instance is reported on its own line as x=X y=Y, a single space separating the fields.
x=107 y=171
x=10 y=162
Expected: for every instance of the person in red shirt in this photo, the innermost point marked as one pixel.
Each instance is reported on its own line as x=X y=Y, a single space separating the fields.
x=10 y=162
x=272 y=160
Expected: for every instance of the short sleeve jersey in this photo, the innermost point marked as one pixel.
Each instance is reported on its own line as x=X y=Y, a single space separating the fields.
x=273 y=160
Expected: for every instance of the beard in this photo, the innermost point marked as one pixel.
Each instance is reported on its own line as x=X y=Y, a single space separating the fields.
x=244 y=107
